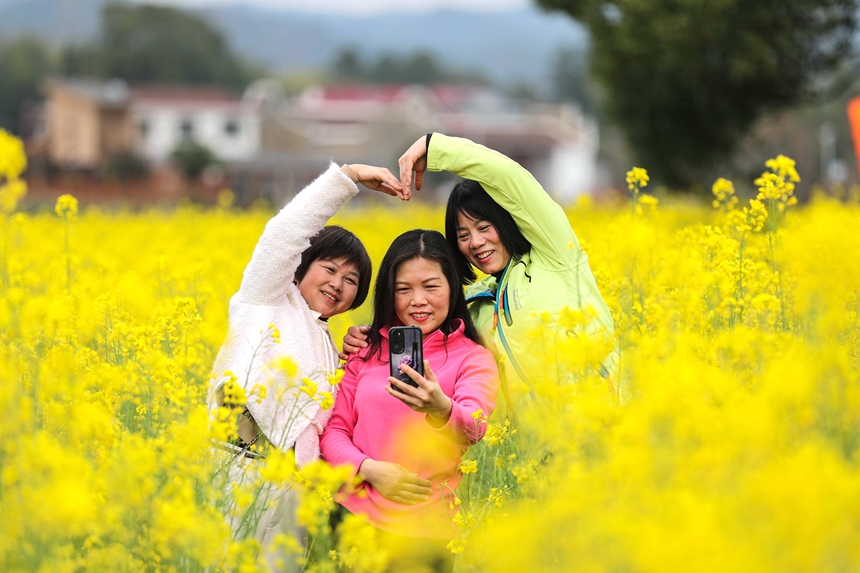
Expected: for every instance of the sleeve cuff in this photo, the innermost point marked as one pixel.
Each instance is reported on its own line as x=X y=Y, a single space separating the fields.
x=456 y=428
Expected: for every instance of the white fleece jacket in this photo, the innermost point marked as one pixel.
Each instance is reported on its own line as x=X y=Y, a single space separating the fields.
x=267 y=296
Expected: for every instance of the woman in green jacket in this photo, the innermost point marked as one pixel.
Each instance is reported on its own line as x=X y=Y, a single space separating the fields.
x=500 y=221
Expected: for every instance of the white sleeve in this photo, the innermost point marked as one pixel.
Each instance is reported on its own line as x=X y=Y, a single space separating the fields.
x=278 y=253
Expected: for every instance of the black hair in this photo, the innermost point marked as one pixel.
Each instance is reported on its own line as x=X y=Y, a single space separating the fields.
x=469 y=198
x=335 y=242
x=429 y=245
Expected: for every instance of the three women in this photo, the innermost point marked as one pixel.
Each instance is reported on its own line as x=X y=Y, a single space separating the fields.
x=405 y=442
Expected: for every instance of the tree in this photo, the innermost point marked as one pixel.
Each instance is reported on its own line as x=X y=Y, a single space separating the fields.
x=23 y=64
x=686 y=79
x=570 y=78
x=192 y=158
x=347 y=65
x=147 y=43
x=416 y=68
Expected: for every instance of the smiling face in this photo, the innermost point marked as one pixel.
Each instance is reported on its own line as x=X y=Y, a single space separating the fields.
x=329 y=287
x=422 y=296
x=480 y=244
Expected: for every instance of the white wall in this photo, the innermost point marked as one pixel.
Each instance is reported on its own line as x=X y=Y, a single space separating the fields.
x=164 y=132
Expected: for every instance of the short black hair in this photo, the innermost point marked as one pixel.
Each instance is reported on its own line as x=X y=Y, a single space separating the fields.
x=469 y=198
x=335 y=242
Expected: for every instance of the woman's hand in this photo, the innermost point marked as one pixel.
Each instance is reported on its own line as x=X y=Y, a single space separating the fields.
x=414 y=160
x=427 y=398
x=395 y=482
x=354 y=340
x=376 y=178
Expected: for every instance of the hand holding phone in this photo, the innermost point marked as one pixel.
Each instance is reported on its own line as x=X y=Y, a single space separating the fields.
x=424 y=394
x=405 y=346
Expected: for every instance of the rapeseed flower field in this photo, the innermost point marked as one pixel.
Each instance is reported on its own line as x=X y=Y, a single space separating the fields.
x=729 y=442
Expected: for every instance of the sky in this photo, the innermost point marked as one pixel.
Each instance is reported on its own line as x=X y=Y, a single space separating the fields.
x=363 y=6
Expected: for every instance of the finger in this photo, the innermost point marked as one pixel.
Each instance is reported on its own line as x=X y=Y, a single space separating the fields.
x=350 y=348
x=389 y=183
x=343 y=356
x=407 y=392
x=414 y=492
x=419 y=485
x=419 y=180
x=407 y=399
x=428 y=372
x=407 y=167
x=422 y=495
x=405 y=164
x=403 y=500
x=388 y=190
x=364 y=327
x=415 y=376
x=353 y=343
x=387 y=176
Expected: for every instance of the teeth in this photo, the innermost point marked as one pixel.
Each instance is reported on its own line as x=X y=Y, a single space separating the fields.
x=328 y=296
x=482 y=256
x=420 y=314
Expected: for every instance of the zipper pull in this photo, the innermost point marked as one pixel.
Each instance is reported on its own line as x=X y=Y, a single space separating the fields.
x=495 y=320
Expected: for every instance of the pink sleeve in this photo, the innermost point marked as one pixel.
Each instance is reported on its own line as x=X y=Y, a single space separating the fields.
x=475 y=389
x=336 y=445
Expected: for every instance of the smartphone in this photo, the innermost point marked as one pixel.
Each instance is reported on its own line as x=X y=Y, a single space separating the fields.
x=405 y=346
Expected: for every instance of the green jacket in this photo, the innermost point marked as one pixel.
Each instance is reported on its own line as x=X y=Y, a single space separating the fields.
x=535 y=288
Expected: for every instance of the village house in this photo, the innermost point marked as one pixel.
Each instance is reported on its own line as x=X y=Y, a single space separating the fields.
x=375 y=124
x=87 y=122
x=272 y=145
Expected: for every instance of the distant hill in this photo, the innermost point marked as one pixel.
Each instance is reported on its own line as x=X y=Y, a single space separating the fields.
x=57 y=21
x=505 y=46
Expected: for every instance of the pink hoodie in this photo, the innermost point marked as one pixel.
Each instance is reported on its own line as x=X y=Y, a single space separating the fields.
x=369 y=423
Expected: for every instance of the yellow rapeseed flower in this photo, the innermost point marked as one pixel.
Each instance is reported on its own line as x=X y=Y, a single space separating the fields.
x=637 y=179
x=469 y=466
x=67 y=206
x=13 y=159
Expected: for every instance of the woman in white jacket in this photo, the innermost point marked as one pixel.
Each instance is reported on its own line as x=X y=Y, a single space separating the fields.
x=300 y=274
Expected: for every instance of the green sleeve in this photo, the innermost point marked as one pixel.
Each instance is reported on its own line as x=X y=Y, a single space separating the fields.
x=540 y=219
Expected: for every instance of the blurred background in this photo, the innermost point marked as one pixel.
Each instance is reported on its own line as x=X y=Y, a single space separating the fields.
x=139 y=103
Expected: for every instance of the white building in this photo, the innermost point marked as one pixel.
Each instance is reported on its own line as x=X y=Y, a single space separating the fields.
x=164 y=119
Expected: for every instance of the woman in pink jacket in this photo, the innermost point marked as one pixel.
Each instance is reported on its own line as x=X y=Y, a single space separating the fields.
x=406 y=444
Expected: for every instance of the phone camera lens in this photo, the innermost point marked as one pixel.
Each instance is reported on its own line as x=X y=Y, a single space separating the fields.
x=397 y=343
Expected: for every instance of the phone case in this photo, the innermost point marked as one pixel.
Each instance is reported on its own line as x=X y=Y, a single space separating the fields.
x=405 y=344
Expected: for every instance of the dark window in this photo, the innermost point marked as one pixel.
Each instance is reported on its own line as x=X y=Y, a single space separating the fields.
x=231 y=127
x=186 y=128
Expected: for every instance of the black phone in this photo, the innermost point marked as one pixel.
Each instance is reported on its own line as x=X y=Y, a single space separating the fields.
x=405 y=345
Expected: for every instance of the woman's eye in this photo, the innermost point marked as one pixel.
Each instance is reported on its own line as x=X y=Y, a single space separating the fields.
x=484 y=228
x=351 y=281
x=462 y=237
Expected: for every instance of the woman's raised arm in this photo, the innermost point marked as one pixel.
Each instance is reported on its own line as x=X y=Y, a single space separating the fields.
x=278 y=252
x=540 y=219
